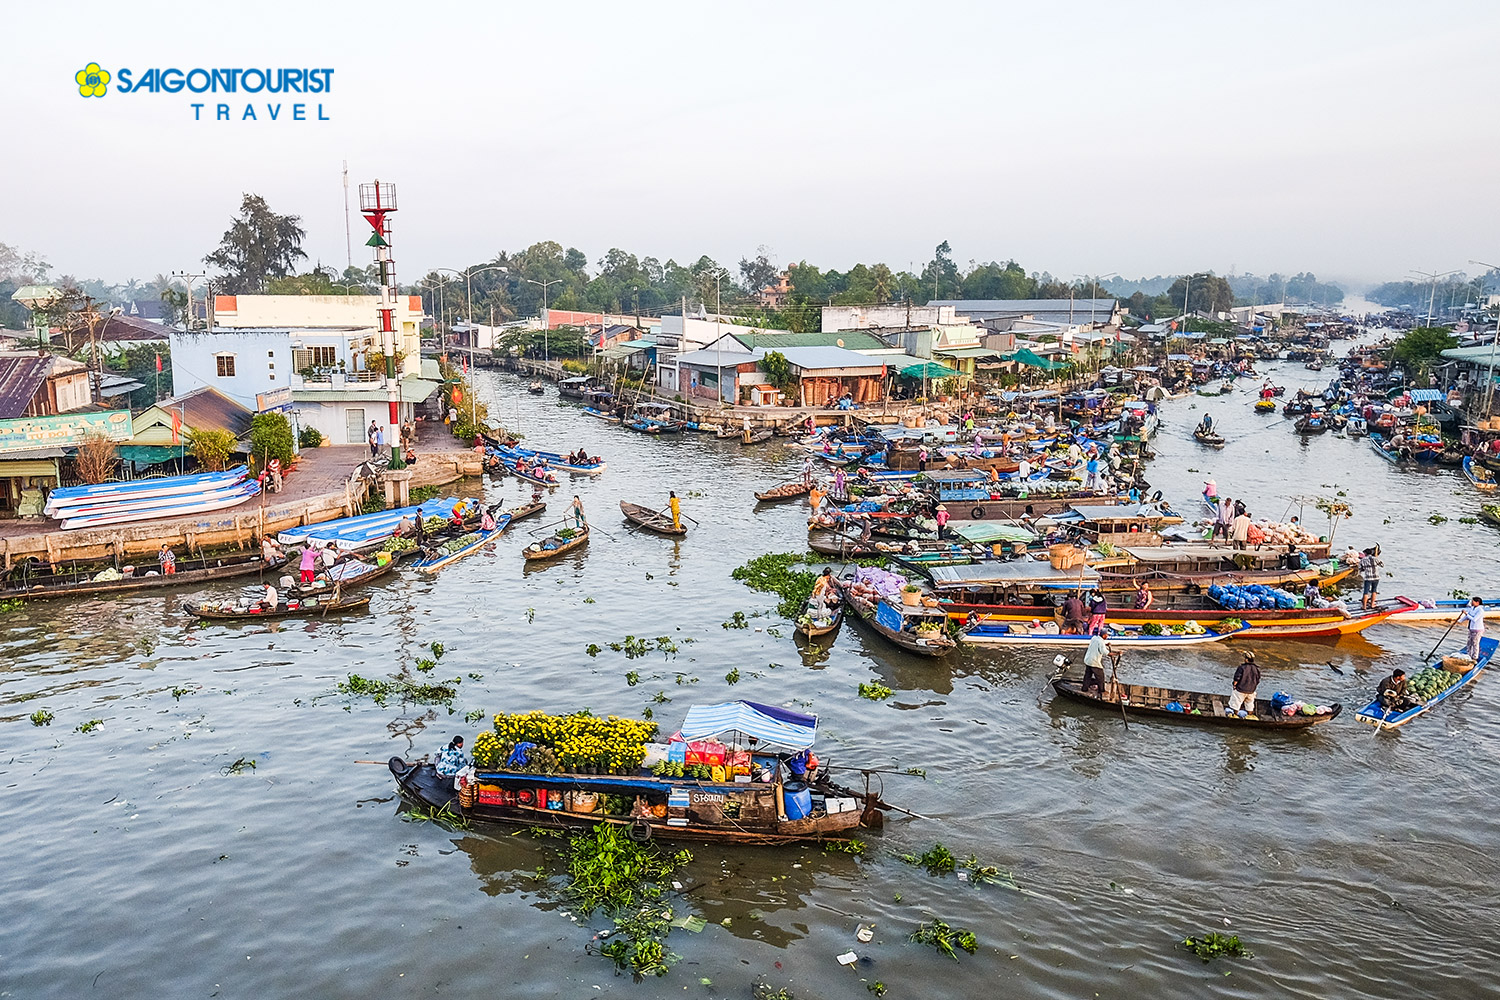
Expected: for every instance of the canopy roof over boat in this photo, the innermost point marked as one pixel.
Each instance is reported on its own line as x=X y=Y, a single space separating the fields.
x=1016 y=573
x=990 y=532
x=766 y=723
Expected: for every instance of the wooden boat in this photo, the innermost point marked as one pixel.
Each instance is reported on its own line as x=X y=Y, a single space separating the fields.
x=643 y=426
x=725 y=432
x=477 y=540
x=891 y=621
x=1482 y=478
x=651 y=520
x=542 y=477
x=1265 y=406
x=1297 y=407
x=810 y=627
x=165 y=507
x=34 y=582
x=760 y=436
x=1442 y=612
x=1378 y=443
x=781 y=810
x=1016 y=634
x=577 y=538
x=1199 y=707
x=608 y=418
x=1373 y=715
x=593 y=467
x=786 y=491
x=310 y=608
x=349 y=574
x=1209 y=438
x=535 y=388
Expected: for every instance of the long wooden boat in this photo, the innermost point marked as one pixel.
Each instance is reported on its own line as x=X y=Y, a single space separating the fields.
x=349 y=574
x=810 y=628
x=1429 y=612
x=313 y=608
x=890 y=621
x=781 y=810
x=608 y=418
x=725 y=432
x=438 y=559
x=530 y=474
x=1353 y=622
x=20 y=582
x=559 y=545
x=180 y=506
x=786 y=491
x=1004 y=634
x=554 y=461
x=1264 y=623
x=1209 y=438
x=1198 y=707
x=1482 y=478
x=68 y=498
x=760 y=436
x=651 y=520
x=1373 y=715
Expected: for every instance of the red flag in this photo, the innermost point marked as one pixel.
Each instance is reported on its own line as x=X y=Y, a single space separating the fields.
x=176 y=426
x=466 y=365
x=158 y=363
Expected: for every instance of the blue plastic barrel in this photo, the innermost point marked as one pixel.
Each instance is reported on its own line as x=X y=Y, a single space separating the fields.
x=796 y=799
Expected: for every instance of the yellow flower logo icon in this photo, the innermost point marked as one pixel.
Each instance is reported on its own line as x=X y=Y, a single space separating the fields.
x=92 y=81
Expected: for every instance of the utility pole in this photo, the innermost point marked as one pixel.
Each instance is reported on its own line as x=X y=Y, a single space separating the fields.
x=348 y=235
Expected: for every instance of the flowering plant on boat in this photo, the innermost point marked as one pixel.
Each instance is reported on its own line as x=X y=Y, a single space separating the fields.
x=582 y=743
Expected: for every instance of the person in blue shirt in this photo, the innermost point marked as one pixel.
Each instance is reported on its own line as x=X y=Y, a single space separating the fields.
x=451 y=760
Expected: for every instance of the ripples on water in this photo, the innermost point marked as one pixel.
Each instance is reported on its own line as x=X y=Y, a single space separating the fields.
x=1348 y=862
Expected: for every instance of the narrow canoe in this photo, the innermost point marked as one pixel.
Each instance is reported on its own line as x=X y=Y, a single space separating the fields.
x=1482 y=478
x=786 y=491
x=1439 y=611
x=19 y=583
x=999 y=634
x=1210 y=439
x=608 y=418
x=812 y=630
x=1373 y=715
x=651 y=520
x=309 y=609
x=758 y=437
x=539 y=550
x=1212 y=709
x=439 y=559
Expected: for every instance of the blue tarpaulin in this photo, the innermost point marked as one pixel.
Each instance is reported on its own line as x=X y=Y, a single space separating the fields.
x=766 y=723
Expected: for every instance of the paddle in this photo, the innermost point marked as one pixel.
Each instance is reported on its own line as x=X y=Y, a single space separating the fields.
x=1385 y=714
x=685 y=517
x=1434 y=649
x=1114 y=680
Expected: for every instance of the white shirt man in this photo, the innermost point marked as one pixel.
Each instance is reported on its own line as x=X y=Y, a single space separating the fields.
x=1473 y=616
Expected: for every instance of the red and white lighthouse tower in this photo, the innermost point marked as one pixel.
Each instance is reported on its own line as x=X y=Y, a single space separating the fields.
x=376 y=202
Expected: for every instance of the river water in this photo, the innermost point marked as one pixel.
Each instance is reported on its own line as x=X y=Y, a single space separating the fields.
x=138 y=863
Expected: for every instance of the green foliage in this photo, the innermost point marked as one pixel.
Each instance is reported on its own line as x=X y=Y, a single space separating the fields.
x=258 y=246
x=271 y=437
x=1214 y=945
x=778 y=371
x=609 y=872
x=1205 y=293
x=1421 y=348
x=211 y=448
x=945 y=938
x=772 y=573
x=875 y=691
x=42 y=717
x=89 y=726
x=938 y=860
x=380 y=691
x=310 y=437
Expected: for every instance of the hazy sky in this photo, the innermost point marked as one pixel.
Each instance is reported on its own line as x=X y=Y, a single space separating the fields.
x=1359 y=141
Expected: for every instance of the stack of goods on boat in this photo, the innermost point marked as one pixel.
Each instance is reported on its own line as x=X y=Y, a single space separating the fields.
x=1253 y=596
x=898 y=610
x=149 y=499
x=366 y=530
x=739 y=771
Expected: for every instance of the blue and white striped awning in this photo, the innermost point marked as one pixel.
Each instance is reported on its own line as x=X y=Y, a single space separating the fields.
x=1426 y=395
x=766 y=723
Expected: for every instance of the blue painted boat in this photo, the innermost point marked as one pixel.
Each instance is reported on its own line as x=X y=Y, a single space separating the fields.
x=608 y=418
x=1373 y=715
x=1378 y=442
x=531 y=475
x=1482 y=478
x=357 y=531
x=554 y=460
x=1003 y=633
x=182 y=506
x=436 y=561
x=74 y=496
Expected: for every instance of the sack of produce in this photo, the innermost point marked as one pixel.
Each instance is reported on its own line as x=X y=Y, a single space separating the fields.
x=1458 y=663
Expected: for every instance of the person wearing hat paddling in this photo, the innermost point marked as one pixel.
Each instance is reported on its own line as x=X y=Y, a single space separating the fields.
x=942 y=519
x=1246 y=680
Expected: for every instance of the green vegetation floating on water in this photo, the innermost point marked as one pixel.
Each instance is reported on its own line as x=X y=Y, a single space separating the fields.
x=875 y=691
x=13 y=604
x=609 y=872
x=444 y=817
x=90 y=726
x=380 y=691
x=945 y=938
x=938 y=860
x=240 y=766
x=1214 y=945
x=42 y=717
x=773 y=573
x=844 y=847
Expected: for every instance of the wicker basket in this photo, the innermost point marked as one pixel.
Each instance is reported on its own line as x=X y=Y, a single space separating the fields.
x=1458 y=664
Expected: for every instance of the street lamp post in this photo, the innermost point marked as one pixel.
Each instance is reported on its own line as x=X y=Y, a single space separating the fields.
x=719 y=273
x=1432 y=294
x=1489 y=381
x=468 y=276
x=546 y=320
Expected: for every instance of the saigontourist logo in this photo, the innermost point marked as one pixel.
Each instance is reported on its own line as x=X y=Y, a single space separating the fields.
x=93 y=81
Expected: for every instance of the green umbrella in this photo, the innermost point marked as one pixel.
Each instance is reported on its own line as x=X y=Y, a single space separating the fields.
x=927 y=369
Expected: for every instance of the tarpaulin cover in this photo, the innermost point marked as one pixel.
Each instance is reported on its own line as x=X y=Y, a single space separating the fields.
x=766 y=723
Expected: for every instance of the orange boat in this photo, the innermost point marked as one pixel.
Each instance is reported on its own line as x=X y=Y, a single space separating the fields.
x=1349 y=624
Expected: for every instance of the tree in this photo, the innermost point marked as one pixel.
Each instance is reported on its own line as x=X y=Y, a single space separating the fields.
x=96 y=458
x=1421 y=348
x=211 y=448
x=258 y=245
x=759 y=272
x=778 y=371
x=1206 y=292
x=271 y=437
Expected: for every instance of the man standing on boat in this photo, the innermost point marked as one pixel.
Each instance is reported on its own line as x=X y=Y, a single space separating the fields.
x=1240 y=529
x=807 y=470
x=576 y=509
x=1474 y=616
x=1246 y=680
x=1369 y=572
x=1093 y=666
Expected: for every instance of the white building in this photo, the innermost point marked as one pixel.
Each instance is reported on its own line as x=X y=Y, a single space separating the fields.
x=683 y=334
x=889 y=316
x=333 y=372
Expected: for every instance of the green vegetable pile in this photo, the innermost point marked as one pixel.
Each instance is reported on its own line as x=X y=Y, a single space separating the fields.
x=462 y=540
x=875 y=691
x=1429 y=682
x=397 y=544
x=1151 y=628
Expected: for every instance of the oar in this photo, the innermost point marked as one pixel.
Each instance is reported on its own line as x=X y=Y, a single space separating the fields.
x=680 y=514
x=1383 y=716
x=1434 y=649
x=1114 y=679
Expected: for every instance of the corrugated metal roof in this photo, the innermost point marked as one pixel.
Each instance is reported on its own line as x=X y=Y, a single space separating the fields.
x=968 y=352
x=207 y=408
x=1484 y=355
x=1017 y=572
x=853 y=340
x=20 y=378
x=963 y=306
